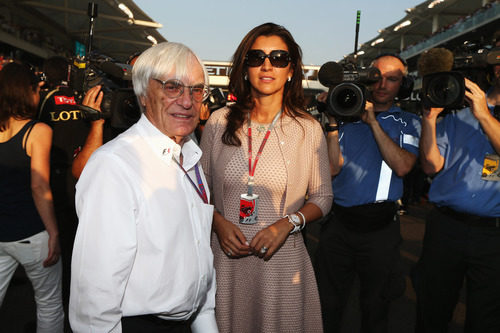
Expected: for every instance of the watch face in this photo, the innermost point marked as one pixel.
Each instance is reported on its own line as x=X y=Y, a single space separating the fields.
x=295 y=218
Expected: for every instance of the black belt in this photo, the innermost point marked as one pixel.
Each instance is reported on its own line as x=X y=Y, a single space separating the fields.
x=160 y=321
x=151 y=323
x=366 y=218
x=470 y=219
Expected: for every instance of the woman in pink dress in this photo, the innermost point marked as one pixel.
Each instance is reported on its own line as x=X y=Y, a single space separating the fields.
x=266 y=161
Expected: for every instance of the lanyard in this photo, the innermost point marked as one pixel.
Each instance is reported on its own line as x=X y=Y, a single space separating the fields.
x=201 y=190
x=251 y=171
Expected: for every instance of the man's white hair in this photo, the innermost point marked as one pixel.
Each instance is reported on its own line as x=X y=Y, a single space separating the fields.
x=160 y=60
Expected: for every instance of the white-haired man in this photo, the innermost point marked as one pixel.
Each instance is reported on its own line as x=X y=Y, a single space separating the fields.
x=142 y=260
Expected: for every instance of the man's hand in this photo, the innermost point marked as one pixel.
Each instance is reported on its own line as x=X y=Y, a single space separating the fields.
x=476 y=98
x=93 y=99
x=432 y=113
x=369 y=116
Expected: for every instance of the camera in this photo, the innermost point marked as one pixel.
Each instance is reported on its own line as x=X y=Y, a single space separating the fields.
x=348 y=88
x=119 y=103
x=446 y=89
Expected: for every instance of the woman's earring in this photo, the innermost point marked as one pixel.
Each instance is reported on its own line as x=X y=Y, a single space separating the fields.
x=246 y=77
x=289 y=78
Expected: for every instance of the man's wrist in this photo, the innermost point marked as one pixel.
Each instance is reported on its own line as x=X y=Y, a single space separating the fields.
x=331 y=128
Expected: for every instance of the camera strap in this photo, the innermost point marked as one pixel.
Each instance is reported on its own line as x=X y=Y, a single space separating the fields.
x=201 y=190
x=251 y=170
x=47 y=97
x=496 y=112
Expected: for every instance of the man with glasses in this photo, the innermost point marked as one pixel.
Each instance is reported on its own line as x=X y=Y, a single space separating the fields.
x=142 y=260
x=368 y=159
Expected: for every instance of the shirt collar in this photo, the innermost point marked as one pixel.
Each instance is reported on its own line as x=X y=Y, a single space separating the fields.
x=165 y=148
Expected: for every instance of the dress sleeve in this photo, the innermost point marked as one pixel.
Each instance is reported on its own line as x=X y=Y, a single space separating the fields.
x=105 y=245
x=207 y=146
x=320 y=188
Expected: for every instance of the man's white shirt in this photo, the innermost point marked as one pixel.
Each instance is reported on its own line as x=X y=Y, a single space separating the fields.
x=143 y=240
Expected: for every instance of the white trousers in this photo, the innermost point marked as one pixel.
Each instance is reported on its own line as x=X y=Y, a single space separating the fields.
x=46 y=281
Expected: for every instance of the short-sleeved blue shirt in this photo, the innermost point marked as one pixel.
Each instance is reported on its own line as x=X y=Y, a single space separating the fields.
x=464 y=145
x=365 y=177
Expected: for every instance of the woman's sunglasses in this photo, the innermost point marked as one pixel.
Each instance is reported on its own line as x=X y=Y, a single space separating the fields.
x=278 y=58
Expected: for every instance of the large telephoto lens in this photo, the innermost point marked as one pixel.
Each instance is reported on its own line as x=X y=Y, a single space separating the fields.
x=444 y=89
x=347 y=100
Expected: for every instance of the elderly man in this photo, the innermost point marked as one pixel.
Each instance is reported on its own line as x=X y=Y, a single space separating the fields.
x=369 y=159
x=142 y=260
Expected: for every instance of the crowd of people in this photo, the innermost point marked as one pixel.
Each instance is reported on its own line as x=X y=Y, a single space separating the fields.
x=152 y=232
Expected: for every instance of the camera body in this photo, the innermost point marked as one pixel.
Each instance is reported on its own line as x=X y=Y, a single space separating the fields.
x=348 y=88
x=446 y=89
x=119 y=103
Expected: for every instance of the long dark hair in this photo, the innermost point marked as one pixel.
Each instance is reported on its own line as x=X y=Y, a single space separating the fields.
x=293 y=95
x=17 y=84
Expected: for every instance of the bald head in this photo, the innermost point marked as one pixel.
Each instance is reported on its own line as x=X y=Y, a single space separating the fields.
x=392 y=71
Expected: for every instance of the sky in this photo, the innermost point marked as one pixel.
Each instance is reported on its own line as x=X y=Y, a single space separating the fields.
x=325 y=30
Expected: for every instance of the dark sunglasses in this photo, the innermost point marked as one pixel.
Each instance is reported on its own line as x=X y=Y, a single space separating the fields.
x=278 y=58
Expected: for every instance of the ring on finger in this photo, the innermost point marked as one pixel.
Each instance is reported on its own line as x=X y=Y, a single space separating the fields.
x=229 y=253
x=263 y=249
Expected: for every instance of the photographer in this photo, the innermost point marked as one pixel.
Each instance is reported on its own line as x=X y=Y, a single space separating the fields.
x=93 y=98
x=462 y=236
x=58 y=109
x=368 y=159
x=72 y=138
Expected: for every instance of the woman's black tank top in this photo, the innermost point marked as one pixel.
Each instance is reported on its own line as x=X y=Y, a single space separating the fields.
x=19 y=217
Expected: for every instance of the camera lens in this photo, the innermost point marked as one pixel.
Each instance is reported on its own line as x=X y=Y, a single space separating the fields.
x=445 y=89
x=347 y=100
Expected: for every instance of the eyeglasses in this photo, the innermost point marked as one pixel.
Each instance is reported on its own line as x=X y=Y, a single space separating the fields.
x=175 y=88
x=278 y=58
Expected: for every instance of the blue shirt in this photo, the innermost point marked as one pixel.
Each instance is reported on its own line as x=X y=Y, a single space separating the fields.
x=365 y=177
x=463 y=144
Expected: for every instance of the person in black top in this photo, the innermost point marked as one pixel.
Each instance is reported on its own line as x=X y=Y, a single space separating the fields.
x=59 y=109
x=28 y=228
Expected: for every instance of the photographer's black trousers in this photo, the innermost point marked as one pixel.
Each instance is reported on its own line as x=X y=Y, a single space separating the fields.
x=452 y=251
x=373 y=256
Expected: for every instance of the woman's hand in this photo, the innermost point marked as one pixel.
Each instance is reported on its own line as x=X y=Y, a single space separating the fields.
x=54 y=251
x=231 y=239
x=267 y=241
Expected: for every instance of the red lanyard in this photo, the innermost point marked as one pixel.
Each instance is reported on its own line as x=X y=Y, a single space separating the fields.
x=251 y=171
x=201 y=190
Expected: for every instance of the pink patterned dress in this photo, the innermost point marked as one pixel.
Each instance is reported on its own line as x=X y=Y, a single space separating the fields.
x=279 y=295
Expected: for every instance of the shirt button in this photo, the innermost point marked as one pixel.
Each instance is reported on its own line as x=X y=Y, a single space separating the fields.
x=282 y=142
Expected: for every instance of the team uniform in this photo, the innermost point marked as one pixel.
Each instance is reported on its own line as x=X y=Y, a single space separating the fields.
x=462 y=237
x=362 y=234
x=58 y=109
